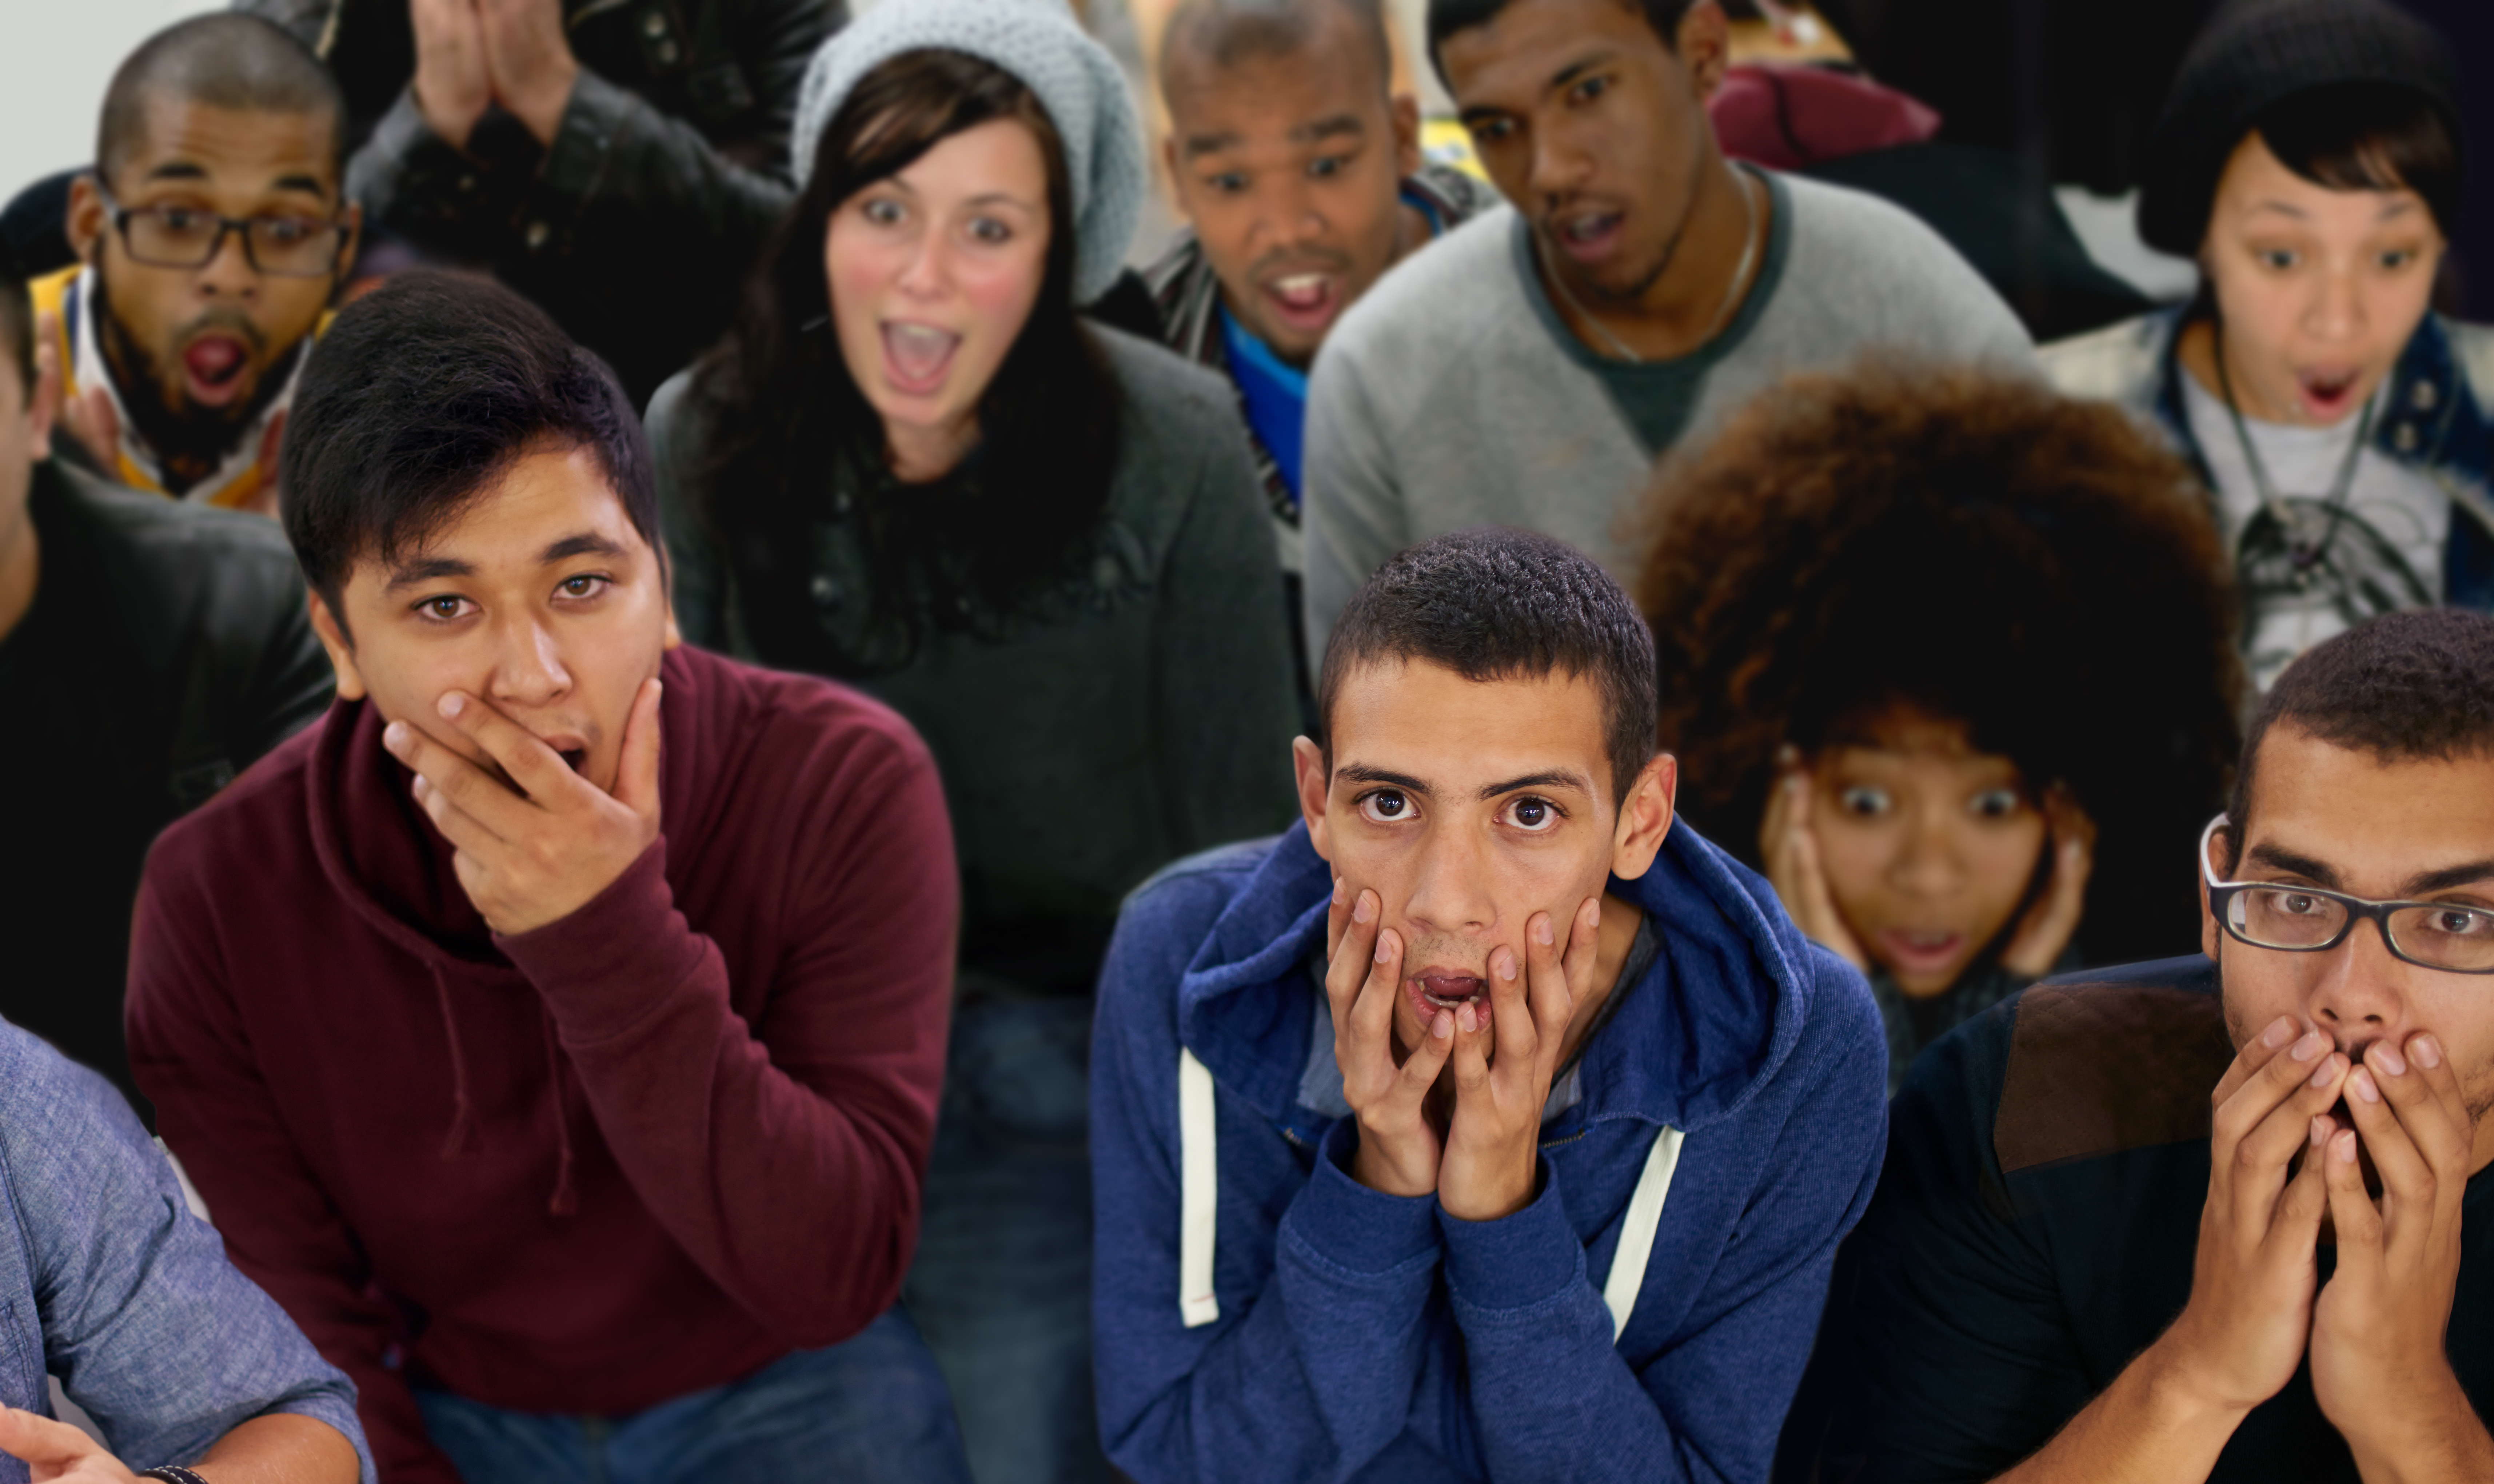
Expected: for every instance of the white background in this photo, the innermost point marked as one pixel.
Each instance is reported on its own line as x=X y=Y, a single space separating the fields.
x=55 y=57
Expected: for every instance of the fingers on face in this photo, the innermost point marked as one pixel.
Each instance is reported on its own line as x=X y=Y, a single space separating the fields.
x=2306 y=1196
x=2256 y=1052
x=2407 y=1171
x=636 y=782
x=2427 y=1079
x=2269 y=1120
x=530 y=763
x=2350 y=1208
x=1351 y=925
x=1372 y=1014
x=1337 y=919
x=457 y=826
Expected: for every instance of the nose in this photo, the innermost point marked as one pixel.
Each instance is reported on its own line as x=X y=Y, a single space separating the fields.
x=1451 y=892
x=1927 y=862
x=1559 y=168
x=928 y=272
x=1290 y=218
x=2359 y=996
x=527 y=665
x=2336 y=312
x=229 y=274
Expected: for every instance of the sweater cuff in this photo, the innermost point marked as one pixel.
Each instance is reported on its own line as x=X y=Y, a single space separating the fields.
x=1516 y=1261
x=597 y=967
x=596 y=115
x=1350 y=1226
x=412 y=175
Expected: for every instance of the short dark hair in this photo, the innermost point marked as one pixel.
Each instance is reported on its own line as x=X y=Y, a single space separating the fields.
x=418 y=398
x=2369 y=137
x=1229 y=32
x=2405 y=687
x=2039 y=569
x=1495 y=604
x=17 y=321
x=223 y=60
x=1449 y=16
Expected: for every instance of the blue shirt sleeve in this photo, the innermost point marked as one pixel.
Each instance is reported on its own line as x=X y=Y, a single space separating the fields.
x=147 y=1326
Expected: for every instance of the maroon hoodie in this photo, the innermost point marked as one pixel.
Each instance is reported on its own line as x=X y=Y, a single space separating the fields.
x=637 y=1152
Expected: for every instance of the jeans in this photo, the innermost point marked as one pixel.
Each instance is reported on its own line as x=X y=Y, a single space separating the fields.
x=873 y=1409
x=1002 y=1283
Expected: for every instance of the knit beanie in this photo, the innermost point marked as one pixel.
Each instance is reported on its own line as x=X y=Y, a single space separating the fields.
x=2256 y=53
x=1037 y=41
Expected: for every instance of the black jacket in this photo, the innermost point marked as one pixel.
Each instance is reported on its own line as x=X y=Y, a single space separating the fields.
x=167 y=648
x=637 y=229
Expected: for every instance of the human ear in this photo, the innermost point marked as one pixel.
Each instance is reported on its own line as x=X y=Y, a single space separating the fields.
x=1645 y=817
x=84 y=224
x=2211 y=935
x=342 y=654
x=1308 y=762
x=1406 y=110
x=1705 y=48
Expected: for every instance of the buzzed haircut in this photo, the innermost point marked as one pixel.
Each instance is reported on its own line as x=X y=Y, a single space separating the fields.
x=1228 y=33
x=222 y=60
x=2405 y=687
x=418 y=401
x=1494 y=603
x=1449 y=16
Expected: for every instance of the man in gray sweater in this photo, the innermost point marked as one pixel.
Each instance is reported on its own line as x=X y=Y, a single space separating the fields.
x=1529 y=369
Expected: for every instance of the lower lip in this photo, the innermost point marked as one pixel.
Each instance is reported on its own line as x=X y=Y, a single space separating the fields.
x=213 y=394
x=1921 y=956
x=1427 y=1009
x=2329 y=406
x=1595 y=249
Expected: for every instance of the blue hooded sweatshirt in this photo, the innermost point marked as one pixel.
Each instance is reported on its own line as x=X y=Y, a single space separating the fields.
x=1352 y=1335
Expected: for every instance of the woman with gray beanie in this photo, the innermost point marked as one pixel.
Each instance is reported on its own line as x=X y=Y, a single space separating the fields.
x=914 y=468
x=2309 y=158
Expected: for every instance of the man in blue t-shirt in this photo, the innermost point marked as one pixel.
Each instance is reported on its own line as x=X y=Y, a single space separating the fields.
x=1299 y=169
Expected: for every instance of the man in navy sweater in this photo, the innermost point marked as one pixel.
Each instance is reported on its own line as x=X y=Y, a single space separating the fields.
x=1484 y=1126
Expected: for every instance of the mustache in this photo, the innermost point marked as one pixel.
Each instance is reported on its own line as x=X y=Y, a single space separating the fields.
x=1285 y=260
x=229 y=320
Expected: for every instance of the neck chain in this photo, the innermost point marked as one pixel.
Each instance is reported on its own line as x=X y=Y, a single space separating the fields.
x=1722 y=312
x=2306 y=553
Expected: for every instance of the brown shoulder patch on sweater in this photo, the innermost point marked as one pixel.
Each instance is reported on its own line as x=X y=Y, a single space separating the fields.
x=2097 y=1069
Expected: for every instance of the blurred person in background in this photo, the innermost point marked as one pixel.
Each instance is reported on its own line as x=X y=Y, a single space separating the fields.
x=1529 y=369
x=1299 y=169
x=1950 y=658
x=149 y=651
x=913 y=467
x=619 y=163
x=2309 y=159
x=212 y=235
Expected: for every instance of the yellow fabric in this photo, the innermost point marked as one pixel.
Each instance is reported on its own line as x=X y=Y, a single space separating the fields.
x=50 y=294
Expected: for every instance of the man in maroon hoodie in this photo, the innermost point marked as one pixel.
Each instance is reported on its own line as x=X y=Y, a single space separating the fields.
x=562 y=1057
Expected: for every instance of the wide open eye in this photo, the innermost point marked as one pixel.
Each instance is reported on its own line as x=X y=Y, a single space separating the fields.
x=1385 y=806
x=1535 y=816
x=1994 y=803
x=1863 y=802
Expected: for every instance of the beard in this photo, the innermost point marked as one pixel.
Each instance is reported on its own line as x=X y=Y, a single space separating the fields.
x=182 y=435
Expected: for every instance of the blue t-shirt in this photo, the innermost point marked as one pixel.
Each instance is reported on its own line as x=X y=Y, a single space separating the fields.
x=1276 y=394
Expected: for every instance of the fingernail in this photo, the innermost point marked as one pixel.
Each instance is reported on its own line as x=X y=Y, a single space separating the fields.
x=1337 y=891
x=1471 y=1022
x=394 y=736
x=2328 y=1072
x=1594 y=913
x=2309 y=1047
x=2278 y=1034
x=2362 y=1082
x=1385 y=946
x=1542 y=931
x=1443 y=1025
x=1506 y=964
x=1366 y=909
x=417 y=786
x=2382 y=1054
x=2345 y=1148
x=2319 y=1130
x=2427 y=1050
x=451 y=703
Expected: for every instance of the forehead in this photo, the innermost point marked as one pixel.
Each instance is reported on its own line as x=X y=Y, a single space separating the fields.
x=547 y=495
x=2256 y=178
x=1000 y=155
x=1335 y=70
x=245 y=148
x=1527 y=41
x=1419 y=718
x=2376 y=822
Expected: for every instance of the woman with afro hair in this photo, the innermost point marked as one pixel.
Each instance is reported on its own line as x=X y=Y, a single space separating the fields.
x=1951 y=658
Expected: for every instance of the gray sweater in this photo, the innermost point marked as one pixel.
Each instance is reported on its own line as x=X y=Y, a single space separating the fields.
x=1451 y=394
x=1149 y=716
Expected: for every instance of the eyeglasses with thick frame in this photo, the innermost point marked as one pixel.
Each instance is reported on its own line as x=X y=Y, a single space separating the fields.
x=2231 y=902
x=263 y=246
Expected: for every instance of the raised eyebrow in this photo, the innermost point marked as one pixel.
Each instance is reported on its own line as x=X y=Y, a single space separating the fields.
x=1334 y=128
x=1361 y=773
x=1198 y=145
x=425 y=569
x=2277 y=858
x=1555 y=778
x=2426 y=882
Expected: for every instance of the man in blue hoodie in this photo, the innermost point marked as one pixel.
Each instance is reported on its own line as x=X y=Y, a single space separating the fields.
x=1484 y=1126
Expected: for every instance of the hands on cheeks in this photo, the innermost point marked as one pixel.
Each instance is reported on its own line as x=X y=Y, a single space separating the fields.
x=537 y=855
x=473 y=53
x=1790 y=849
x=57 y=1451
x=2045 y=931
x=1481 y=1159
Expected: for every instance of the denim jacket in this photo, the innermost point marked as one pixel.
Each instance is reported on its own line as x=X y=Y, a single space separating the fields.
x=2436 y=418
x=107 y=1282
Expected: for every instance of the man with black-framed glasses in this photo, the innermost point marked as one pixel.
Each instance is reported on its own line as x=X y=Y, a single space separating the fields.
x=213 y=234
x=2225 y=1218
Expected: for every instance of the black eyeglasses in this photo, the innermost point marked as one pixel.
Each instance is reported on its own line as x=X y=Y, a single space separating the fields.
x=187 y=237
x=2307 y=920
